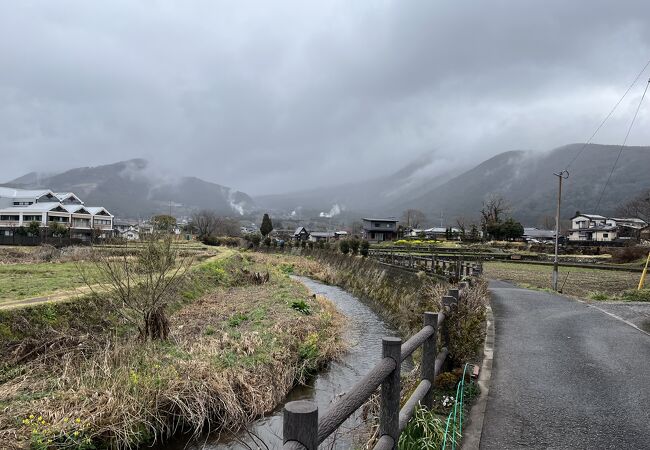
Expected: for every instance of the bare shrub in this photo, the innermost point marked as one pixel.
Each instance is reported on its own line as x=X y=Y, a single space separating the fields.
x=46 y=253
x=256 y=277
x=140 y=287
x=629 y=254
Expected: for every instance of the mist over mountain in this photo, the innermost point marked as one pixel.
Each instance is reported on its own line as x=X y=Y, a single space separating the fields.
x=523 y=178
x=371 y=195
x=133 y=189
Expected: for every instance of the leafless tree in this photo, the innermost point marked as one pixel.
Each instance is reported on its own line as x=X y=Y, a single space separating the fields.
x=226 y=226
x=207 y=223
x=494 y=207
x=204 y=222
x=638 y=207
x=462 y=223
x=139 y=287
x=413 y=218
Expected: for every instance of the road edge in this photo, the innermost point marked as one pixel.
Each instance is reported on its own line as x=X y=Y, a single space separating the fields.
x=471 y=439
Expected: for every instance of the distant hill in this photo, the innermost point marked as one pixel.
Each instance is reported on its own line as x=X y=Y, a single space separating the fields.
x=526 y=181
x=367 y=196
x=129 y=189
x=524 y=178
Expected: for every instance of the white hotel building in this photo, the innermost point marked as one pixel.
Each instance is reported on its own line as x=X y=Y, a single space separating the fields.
x=20 y=207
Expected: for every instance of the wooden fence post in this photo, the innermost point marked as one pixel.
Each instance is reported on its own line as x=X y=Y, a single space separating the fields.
x=429 y=354
x=450 y=301
x=300 y=424
x=390 y=391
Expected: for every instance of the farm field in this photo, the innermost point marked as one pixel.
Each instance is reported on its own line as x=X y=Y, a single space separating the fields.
x=22 y=281
x=24 y=274
x=593 y=284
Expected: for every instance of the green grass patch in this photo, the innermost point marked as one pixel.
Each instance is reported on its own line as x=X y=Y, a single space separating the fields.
x=22 y=281
x=634 y=295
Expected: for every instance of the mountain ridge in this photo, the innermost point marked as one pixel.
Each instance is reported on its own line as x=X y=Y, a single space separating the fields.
x=131 y=189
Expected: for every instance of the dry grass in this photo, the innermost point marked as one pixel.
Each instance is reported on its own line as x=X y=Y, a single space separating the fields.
x=584 y=283
x=233 y=355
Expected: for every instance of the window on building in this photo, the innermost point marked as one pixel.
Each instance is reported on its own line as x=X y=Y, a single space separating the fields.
x=10 y=218
x=605 y=235
x=23 y=203
x=36 y=218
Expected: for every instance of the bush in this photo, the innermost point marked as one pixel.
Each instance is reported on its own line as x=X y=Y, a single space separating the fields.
x=629 y=254
x=254 y=239
x=466 y=323
x=344 y=246
x=354 y=246
x=365 y=248
x=210 y=240
x=447 y=381
x=267 y=241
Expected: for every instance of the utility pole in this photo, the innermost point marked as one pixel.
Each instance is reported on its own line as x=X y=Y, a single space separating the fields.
x=560 y=176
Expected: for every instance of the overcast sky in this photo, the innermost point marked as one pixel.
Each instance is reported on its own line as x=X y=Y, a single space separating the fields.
x=270 y=96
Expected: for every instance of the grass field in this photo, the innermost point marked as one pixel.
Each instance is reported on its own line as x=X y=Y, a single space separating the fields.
x=21 y=278
x=585 y=283
x=21 y=281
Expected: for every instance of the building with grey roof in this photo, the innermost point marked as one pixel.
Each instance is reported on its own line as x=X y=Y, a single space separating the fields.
x=20 y=207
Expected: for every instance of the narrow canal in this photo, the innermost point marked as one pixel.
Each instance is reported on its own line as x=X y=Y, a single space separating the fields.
x=363 y=335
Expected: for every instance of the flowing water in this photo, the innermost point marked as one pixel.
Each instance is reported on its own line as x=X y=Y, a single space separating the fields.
x=363 y=333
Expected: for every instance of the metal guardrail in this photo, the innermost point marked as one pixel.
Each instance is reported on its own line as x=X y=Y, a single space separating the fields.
x=303 y=429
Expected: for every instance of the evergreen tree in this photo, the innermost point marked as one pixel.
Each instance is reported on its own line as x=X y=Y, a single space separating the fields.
x=267 y=225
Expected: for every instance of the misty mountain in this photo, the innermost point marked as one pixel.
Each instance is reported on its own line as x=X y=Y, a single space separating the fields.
x=525 y=179
x=130 y=189
x=367 y=196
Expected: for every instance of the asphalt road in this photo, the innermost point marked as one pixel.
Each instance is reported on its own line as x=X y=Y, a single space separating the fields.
x=565 y=376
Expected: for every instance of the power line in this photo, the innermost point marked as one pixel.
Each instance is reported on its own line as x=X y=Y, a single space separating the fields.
x=608 y=116
x=636 y=113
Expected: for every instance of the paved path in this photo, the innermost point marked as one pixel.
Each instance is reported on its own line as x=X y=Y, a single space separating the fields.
x=565 y=376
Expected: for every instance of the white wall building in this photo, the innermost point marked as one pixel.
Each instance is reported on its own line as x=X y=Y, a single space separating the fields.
x=20 y=207
x=597 y=228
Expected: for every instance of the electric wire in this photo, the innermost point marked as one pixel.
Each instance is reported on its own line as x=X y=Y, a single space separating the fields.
x=620 y=150
x=577 y=155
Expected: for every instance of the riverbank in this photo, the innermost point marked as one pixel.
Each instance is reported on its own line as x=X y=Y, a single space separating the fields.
x=73 y=375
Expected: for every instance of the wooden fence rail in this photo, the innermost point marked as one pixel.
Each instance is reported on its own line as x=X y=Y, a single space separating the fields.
x=447 y=265
x=303 y=429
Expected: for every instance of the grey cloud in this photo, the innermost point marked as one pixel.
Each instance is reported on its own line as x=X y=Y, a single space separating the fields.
x=273 y=96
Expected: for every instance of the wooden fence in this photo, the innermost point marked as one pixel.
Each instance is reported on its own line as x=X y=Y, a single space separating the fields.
x=303 y=429
x=447 y=265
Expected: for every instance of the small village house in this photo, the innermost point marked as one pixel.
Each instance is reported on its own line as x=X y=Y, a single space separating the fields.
x=379 y=230
x=532 y=234
x=301 y=234
x=326 y=236
x=597 y=228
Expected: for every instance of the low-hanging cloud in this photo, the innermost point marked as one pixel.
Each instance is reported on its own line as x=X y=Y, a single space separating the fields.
x=271 y=97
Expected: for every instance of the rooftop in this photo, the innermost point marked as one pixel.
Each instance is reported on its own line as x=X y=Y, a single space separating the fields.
x=9 y=192
x=385 y=219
